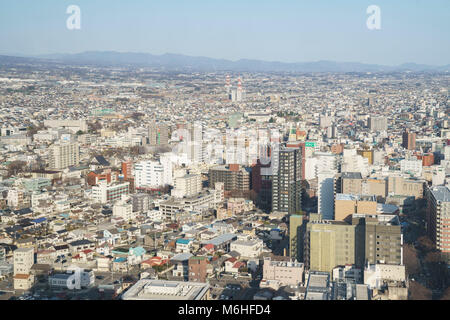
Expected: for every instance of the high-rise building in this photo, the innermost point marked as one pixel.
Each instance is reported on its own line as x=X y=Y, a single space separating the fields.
x=332 y=243
x=234 y=177
x=127 y=169
x=382 y=237
x=158 y=134
x=409 y=140
x=296 y=234
x=64 y=154
x=23 y=261
x=188 y=185
x=152 y=174
x=377 y=123
x=438 y=219
x=286 y=184
x=326 y=194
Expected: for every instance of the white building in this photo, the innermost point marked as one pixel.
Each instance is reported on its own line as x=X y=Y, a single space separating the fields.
x=124 y=209
x=247 y=248
x=153 y=174
x=187 y=186
x=104 y=192
x=412 y=166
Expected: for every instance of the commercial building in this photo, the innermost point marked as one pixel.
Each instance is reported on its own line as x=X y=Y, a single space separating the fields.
x=296 y=234
x=383 y=238
x=348 y=204
x=332 y=243
x=149 y=289
x=286 y=273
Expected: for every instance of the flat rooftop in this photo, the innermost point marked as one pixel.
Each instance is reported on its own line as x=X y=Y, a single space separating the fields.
x=150 y=289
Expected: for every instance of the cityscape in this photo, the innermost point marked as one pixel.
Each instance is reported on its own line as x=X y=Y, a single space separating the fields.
x=172 y=177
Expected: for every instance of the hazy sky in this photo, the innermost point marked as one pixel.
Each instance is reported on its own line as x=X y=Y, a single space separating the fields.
x=282 y=30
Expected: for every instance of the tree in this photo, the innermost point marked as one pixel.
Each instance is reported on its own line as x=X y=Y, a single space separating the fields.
x=411 y=260
x=418 y=291
x=15 y=167
x=446 y=294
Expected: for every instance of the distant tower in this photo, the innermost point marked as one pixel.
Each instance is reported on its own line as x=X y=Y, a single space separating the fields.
x=239 y=90
x=228 y=84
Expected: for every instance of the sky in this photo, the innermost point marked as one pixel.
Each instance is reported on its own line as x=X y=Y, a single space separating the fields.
x=415 y=31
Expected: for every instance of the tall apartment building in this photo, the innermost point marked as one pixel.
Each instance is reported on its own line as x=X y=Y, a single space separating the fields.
x=23 y=261
x=158 y=134
x=383 y=239
x=187 y=186
x=326 y=181
x=438 y=219
x=124 y=209
x=127 y=169
x=409 y=140
x=286 y=183
x=151 y=174
x=377 y=123
x=234 y=177
x=63 y=155
x=141 y=202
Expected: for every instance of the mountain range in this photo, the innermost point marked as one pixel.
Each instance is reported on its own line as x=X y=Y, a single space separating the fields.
x=170 y=61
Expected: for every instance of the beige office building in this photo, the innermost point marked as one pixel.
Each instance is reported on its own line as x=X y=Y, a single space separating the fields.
x=348 y=204
x=332 y=243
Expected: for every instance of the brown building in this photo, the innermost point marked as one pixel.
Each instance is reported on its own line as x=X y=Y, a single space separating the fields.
x=402 y=186
x=197 y=269
x=351 y=183
x=337 y=148
x=427 y=159
x=127 y=168
x=348 y=204
x=409 y=140
x=234 y=177
x=383 y=238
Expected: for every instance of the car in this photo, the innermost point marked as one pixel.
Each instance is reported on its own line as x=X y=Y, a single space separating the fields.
x=64 y=261
x=100 y=277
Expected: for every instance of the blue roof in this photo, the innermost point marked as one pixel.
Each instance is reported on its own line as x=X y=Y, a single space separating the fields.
x=138 y=251
x=39 y=220
x=184 y=241
x=121 y=259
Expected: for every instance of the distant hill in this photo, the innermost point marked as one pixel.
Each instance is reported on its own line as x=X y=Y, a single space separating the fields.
x=170 y=61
